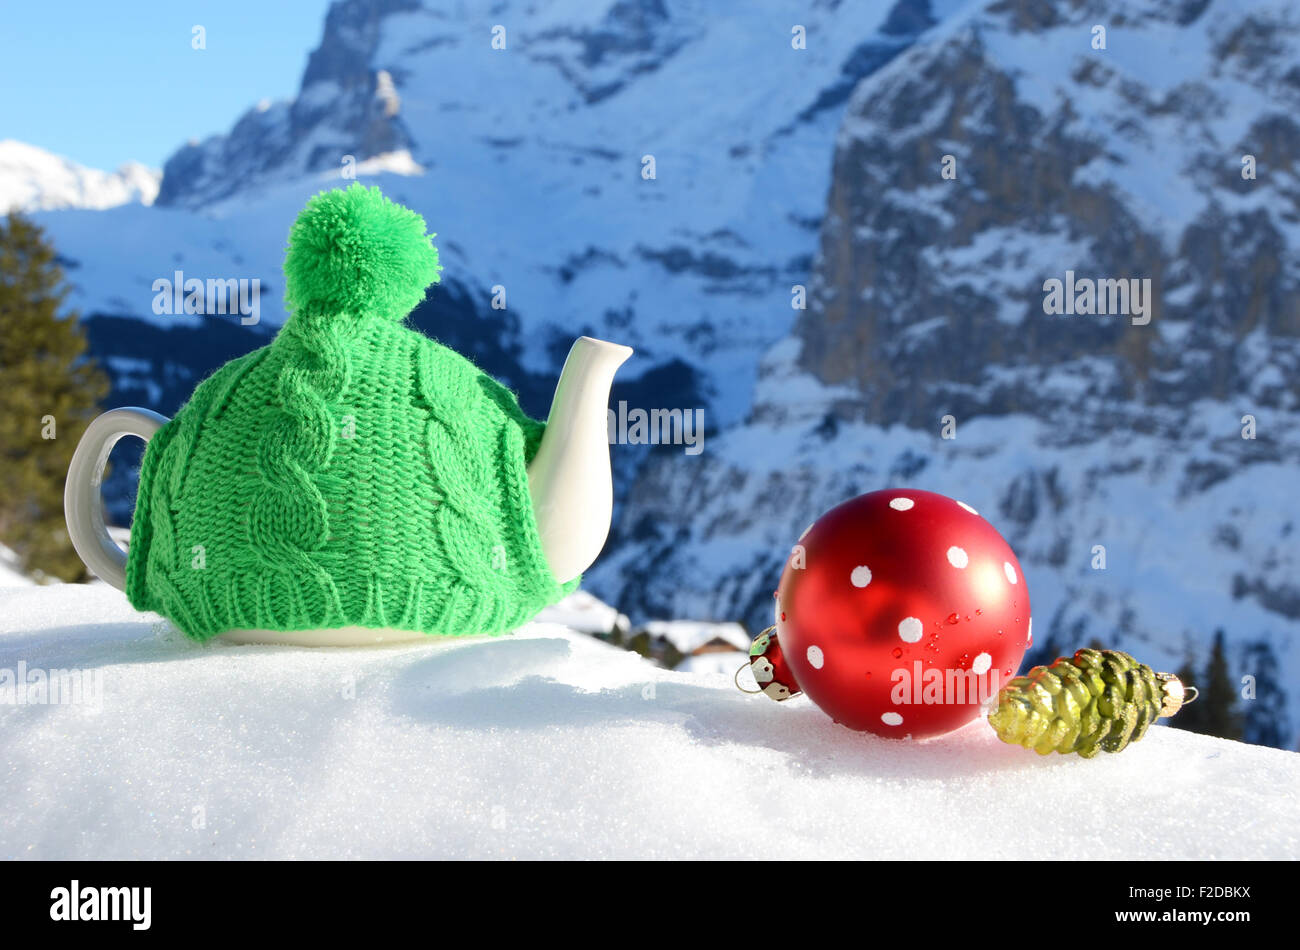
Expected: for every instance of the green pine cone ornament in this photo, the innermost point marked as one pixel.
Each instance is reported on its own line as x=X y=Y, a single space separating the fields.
x=1097 y=700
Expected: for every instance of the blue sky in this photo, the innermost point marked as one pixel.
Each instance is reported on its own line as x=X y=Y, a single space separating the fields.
x=105 y=82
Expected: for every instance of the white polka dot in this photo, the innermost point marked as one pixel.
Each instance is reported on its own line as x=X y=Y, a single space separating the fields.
x=901 y=504
x=957 y=557
x=1010 y=571
x=891 y=719
x=968 y=507
x=861 y=576
x=980 y=665
x=910 y=629
x=815 y=657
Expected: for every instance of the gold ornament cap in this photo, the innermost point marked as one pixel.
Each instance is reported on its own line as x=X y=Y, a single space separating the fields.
x=1176 y=695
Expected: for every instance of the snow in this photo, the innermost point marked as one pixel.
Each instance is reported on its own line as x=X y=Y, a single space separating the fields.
x=689 y=635
x=585 y=613
x=32 y=179
x=550 y=744
x=1005 y=265
x=11 y=574
x=399 y=162
x=1147 y=69
x=726 y=662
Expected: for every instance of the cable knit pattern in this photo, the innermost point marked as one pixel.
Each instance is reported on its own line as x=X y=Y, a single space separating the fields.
x=288 y=520
x=351 y=473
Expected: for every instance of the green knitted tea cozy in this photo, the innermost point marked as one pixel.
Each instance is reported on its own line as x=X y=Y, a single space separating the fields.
x=353 y=472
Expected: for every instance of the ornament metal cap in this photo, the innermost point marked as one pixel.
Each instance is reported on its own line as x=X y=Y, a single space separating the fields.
x=1175 y=694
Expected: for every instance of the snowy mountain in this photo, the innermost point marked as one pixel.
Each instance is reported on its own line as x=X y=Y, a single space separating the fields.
x=543 y=744
x=780 y=163
x=32 y=179
x=1145 y=473
x=530 y=163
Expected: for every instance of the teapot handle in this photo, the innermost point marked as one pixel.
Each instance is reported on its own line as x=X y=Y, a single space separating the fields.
x=83 y=503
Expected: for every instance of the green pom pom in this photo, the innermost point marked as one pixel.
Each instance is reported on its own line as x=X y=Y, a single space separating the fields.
x=353 y=252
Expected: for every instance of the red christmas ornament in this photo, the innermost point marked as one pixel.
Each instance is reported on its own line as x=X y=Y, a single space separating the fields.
x=900 y=612
x=768 y=667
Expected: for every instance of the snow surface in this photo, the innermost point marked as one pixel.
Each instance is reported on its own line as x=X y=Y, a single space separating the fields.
x=549 y=743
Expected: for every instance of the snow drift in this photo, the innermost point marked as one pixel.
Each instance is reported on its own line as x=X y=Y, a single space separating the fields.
x=548 y=744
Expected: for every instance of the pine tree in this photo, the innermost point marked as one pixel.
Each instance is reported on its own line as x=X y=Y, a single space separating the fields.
x=49 y=391
x=1222 y=718
x=640 y=643
x=1266 y=721
x=671 y=656
x=1215 y=711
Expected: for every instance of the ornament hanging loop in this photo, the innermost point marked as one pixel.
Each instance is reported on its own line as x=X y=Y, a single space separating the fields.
x=756 y=649
x=736 y=679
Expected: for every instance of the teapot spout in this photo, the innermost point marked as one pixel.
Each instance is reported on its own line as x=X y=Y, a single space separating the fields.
x=569 y=478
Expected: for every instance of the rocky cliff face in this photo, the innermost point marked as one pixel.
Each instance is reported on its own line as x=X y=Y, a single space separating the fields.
x=345 y=107
x=1118 y=163
x=1144 y=471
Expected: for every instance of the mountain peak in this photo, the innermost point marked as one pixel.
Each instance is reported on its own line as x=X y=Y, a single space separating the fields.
x=32 y=179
